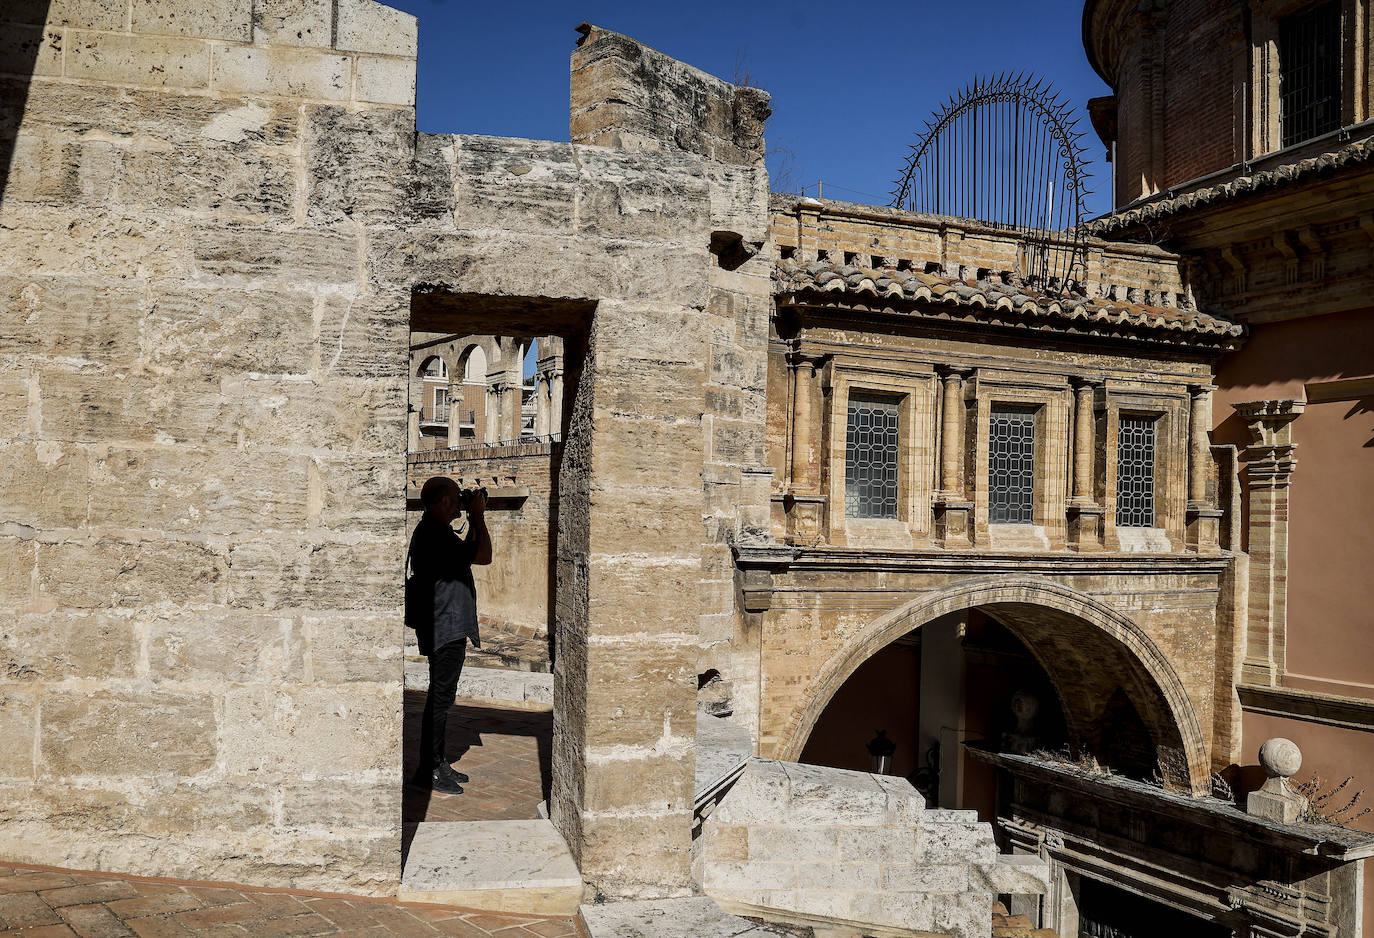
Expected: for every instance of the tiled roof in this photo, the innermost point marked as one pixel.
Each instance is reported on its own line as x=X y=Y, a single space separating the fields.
x=1351 y=155
x=1012 y=304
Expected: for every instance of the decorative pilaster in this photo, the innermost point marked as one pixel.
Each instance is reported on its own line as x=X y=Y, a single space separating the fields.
x=1084 y=512
x=1202 y=518
x=1269 y=470
x=953 y=510
x=805 y=505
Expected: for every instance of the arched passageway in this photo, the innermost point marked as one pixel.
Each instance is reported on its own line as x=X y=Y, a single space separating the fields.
x=1117 y=697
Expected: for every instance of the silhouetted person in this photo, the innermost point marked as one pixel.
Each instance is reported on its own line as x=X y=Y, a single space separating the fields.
x=441 y=566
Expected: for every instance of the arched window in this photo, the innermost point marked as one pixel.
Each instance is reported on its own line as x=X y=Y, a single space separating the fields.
x=434 y=367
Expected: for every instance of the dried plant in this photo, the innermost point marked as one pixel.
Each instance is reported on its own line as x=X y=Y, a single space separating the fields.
x=1081 y=760
x=1222 y=789
x=1171 y=770
x=1330 y=805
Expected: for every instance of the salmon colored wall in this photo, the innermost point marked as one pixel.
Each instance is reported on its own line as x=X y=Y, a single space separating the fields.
x=1330 y=538
x=883 y=694
x=1331 y=518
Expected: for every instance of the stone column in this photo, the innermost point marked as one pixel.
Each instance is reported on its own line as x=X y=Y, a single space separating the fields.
x=1269 y=470
x=491 y=426
x=1083 y=451
x=953 y=510
x=1202 y=518
x=455 y=409
x=805 y=504
x=803 y=375
x=413 y=430
x=1084 y=513
x=555 y=400
x=952 y=434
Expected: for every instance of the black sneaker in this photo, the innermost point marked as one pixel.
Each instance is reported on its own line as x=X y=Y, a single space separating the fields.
x=444 y=779
x=423 y=779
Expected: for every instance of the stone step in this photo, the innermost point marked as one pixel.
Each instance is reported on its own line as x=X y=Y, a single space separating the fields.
x=528 y=690
x=497 y=866
x=695 y=917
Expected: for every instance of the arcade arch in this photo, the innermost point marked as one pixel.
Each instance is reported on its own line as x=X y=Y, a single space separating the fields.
x=1099 y=662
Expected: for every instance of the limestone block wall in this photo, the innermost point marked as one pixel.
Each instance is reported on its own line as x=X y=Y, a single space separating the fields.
x=831 y=847
x=203 y=390
x=612 y=250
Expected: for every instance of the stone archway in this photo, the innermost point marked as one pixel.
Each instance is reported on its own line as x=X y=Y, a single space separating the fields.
x=1086 y=647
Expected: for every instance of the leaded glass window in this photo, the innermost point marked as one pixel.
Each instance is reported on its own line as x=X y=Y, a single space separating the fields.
x=1310 y=73
x=1011 y=465
x=870 y=458
x=1135 y=472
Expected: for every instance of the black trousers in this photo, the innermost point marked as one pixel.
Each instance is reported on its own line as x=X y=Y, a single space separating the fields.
x=445 y=665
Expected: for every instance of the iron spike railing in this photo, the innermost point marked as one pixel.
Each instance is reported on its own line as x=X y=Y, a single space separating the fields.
x=1006 y=151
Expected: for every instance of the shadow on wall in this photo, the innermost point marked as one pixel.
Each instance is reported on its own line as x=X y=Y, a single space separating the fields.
x=22 y=21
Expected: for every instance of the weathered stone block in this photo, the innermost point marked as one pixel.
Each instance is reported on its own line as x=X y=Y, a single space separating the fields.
x=385 y=80
x=351 y=157
x=820 y=795
x=790 y=844
x=888 y=845
x=322 y=731
x=123 y=734
x=106 y=572
x=364 y=336
x=648 y=782
x=648 y=855
x=281 y=70
x=122 y=59
x=217 y=649
x=312 y=806
x=53 y=646
x=226 y=19
x=349 y=648
x=293 y=22
x=260 y=330
x=621 y=673
x=56 y=317
x=46 y=484
x=185 y=488
x=18 y=723
x=209 y=180
x=343 y=415
x=16 y=569
x=366 y=26
x=91 y=14
x=752 y=876
x=926 y=877
x=364 y=576
x=30 y=50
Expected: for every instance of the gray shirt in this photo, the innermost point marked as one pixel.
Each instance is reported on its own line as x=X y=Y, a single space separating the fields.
x=439 y=557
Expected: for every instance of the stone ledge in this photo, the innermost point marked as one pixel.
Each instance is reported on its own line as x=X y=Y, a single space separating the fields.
x=695 y=917
x=506 y=866
x=1354 y=713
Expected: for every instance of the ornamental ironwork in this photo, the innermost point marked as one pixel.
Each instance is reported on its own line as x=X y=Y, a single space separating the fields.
x=870 y=466
x=1006 y=151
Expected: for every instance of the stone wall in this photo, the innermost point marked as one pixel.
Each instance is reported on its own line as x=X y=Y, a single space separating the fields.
x=829 y=847
x=201 y=520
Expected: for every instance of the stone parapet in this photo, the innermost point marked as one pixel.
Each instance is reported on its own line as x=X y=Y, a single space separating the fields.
x=834 y=848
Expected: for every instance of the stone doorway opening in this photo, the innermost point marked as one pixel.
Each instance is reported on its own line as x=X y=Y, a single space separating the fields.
x=492 y=386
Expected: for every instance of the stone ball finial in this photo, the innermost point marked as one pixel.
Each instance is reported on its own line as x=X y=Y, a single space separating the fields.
x=1281 y=758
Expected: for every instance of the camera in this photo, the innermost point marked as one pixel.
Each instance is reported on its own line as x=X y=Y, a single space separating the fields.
x=465 y=496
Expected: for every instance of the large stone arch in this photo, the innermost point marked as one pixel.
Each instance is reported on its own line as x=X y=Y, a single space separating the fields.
x=1062 y=627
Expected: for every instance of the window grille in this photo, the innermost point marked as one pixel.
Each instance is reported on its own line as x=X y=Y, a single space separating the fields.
x=870 y=464
x=1011 y=465
x=1135 y=472
x=1310 y=73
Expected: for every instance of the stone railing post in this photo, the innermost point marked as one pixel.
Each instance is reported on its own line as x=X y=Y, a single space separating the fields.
x=953 y=509
x=1084 y=511
x=1269 y=470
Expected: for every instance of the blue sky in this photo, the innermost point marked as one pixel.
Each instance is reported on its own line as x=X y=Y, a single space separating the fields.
x=851 y=83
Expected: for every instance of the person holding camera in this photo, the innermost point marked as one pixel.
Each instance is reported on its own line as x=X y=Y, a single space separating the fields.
x=441 y=605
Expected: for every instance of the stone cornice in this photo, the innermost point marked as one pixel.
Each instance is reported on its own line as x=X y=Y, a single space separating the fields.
x=979 y=562
x=1355 y=713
